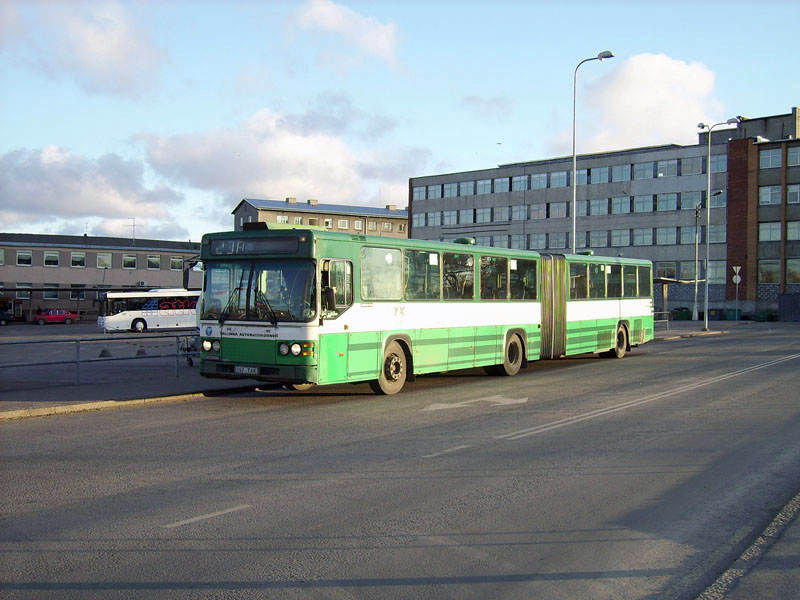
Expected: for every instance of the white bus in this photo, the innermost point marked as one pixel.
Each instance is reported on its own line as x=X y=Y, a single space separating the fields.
x=148 y=310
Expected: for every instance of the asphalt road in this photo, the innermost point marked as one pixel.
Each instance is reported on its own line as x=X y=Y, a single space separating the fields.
x=581 y=478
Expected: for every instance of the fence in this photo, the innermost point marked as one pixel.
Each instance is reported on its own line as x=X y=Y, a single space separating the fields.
x=662 y=318
x=182 y=347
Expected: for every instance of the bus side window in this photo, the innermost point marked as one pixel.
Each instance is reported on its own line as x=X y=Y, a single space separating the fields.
x=644 y=282
x=337 y=287
x=494 y=278
x=577 y=281
x=615 y=281
x=629 y=276
x=421 y=275
x=597 y=281
x=458 y=277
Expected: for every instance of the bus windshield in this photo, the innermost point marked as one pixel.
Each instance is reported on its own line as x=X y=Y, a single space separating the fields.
x=270 y=290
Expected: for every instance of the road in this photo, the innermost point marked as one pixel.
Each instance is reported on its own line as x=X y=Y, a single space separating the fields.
x=581 y=478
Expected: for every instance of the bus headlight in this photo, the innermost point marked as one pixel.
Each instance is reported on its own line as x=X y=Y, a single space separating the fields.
x=207 y=345
x=215 y=346
x=283 y=348
x=296 y=349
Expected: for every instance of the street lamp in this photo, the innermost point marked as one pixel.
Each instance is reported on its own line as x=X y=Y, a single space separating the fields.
x=696 y=270
x=602 y=56
x=709 y=128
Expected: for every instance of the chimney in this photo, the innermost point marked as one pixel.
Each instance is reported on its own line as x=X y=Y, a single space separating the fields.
x=313 y=202
x=391 y=207
x=291 y=200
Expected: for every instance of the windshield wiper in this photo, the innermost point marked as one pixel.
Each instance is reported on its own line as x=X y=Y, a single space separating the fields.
x=273 y=317
x=233 y=299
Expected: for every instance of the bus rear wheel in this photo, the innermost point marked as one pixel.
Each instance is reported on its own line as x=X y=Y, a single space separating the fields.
x=621 y=345
x=139 y=326
x=393 y=371
x=298 y=387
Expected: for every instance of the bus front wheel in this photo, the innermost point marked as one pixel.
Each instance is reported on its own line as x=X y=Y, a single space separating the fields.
x=393 y=371
x=621 y=345
x=139 y=326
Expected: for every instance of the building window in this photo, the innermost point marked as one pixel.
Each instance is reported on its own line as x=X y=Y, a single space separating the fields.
x=450 y=190
x=538 y=181
x=24 y=258
x=793 y=156
x=2 y=256
x=719 y=200
x=104 y=260
x=519 y=212
x=558 y=239
x=450 y=217
x=769 y=159
x=483 y=215
x=687 y=235
x=313 y=221
x=691 y=200
x=418 y=193
x=598 y=239
x=793 y=230
x=282 y=219
x=643 y=237
x=500 y=214
x=692 y=165
x=328 y=223
x=538 y=211
x=298 y=220
x=582 y=176
x=769 y=194
x=620 y=206
x=500 y=241
x=769 y=232
x=558 y=179
x=128 y=261
x=466 y=216
x=176 y=263
x=667 y=202
x=600 y=174
x=687 y=269
x=620 y=237
x=719 y=163
x=793 y=270
x=401 y=227
x=665 y=269
x=580 y=239
x=153 y=262
x=343 y=224
x=793 y=194
x=466 y=188
x=77 y=291
x=501 y=184
x=643 y=203
x=483 y=240
x=358 y=224
x=598 y=206
x=668 y=168
x=666 y=236
x=769 y=271
x=558 y=210
x=518 y=241
x=434 y=191
x=78 y=260
x=716 y=271
x=21 y=293
x=484 y=186
x=418 y=220
x=717 y=234
x=51 y=258
x=50 y=291
x=519 y=183
x=580 y=208
x=372 y=225
x=387 y=226
x=538 y=241
x=643 y=170
x=621 y=173
x=434 y=219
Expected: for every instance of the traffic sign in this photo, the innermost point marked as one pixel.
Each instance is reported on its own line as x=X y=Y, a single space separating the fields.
x=737 y=279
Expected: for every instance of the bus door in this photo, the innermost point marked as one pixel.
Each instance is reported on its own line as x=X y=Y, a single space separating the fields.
x=554 y=305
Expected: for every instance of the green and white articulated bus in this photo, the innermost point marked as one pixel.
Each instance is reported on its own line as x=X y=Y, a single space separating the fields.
x=305 y=306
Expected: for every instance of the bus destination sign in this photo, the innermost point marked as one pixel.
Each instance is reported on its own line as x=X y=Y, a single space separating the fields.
x=253 y=245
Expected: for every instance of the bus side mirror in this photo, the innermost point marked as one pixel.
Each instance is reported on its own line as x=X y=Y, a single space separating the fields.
x=328 y=299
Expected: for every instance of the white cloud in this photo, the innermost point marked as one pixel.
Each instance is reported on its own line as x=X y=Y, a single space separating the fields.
x=496 y=107
x=53 y=189
x=365 y=32
x=649 y=99
x=99 y=44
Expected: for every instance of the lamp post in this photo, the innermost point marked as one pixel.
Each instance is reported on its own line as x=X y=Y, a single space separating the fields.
x=602 y=56
x=696 y=244
x=710 y=128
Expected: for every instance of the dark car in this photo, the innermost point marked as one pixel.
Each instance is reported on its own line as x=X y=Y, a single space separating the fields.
x=5 y=318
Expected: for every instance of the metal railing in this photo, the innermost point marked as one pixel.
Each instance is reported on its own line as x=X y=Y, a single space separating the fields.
x=184 y=346
x=662 y=318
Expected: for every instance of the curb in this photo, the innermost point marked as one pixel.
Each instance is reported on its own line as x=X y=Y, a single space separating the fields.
x=679 y=336
x=65 y=409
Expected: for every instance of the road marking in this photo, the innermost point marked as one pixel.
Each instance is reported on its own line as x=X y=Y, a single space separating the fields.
x=204 y=517
x=448 y=451
x=493 y=400
x=516 y=435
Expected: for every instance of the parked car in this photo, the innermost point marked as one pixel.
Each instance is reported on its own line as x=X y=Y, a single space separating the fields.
x=5 y=318
x=57 y=315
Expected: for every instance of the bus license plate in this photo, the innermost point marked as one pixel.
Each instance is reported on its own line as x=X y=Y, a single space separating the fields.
x=245 y=370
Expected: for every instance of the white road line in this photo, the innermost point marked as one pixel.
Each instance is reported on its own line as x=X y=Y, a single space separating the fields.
x=448 y=451
x=515 y=435
x=204 y=517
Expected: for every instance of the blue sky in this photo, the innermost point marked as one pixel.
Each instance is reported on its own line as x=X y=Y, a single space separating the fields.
x=170 y=112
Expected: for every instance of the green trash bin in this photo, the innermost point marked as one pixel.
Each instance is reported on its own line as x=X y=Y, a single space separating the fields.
x=681 y=314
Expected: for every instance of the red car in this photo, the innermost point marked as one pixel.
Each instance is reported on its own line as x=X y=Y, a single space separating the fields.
x=57 y=315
